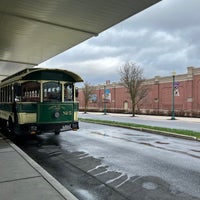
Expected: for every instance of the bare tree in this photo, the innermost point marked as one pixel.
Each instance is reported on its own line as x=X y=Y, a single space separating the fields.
x=132 y=78
x=87 y=91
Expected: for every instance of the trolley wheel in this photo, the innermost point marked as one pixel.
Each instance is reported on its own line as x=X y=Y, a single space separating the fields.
x=11 y=129
x=10 y=125
x=3 y=124
x=57 y=132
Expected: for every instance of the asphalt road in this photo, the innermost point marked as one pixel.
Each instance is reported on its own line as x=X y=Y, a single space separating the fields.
x=108 y=163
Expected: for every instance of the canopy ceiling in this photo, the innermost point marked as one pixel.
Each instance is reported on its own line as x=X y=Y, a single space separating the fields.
x=34 y=31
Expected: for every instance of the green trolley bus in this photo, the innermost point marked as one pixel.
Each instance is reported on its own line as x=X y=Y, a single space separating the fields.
x=37 y=100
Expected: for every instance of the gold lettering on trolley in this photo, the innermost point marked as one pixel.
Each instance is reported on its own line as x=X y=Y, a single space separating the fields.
x=60 y=108
x=67 y=112
x=57 y=107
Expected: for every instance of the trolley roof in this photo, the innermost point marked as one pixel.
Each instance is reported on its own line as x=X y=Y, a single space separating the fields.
x=43 y=74
x=34 y=31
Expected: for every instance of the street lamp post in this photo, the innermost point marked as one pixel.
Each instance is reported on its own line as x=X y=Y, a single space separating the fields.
x=104 y=99
x=173 y=82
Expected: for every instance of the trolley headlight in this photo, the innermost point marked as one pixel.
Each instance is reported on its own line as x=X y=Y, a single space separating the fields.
x=56 y=114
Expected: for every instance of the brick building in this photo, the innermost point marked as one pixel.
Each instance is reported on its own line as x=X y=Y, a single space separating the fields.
x=158 y=100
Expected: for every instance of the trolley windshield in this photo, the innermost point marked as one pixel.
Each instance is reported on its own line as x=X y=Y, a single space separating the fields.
x=52 y=91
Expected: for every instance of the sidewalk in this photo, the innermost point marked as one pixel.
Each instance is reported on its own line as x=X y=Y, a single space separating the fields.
x=21 y=178
x=155 y=117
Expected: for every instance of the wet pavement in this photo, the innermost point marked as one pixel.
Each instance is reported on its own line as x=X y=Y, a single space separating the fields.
x=100 y=162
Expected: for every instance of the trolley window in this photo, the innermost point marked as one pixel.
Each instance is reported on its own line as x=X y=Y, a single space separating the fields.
x=31 y=91
x=52 y=92
x=68 y=92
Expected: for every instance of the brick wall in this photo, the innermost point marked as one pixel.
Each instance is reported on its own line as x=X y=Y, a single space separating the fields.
x=158 y=100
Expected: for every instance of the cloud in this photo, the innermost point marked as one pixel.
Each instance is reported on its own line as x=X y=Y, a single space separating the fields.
x=161 y=39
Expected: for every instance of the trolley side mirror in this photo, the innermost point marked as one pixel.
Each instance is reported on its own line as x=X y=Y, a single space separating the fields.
x=76 y=92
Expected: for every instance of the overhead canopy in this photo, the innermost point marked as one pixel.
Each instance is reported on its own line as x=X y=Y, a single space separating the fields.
x=34 y=31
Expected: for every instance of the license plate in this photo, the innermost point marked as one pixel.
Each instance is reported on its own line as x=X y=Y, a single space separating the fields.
x=66 y=127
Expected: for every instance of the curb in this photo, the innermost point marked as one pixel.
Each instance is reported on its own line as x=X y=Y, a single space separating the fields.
x=50 y=179
x=187 y=137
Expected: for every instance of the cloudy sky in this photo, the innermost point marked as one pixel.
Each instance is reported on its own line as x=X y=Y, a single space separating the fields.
x=161 y=39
